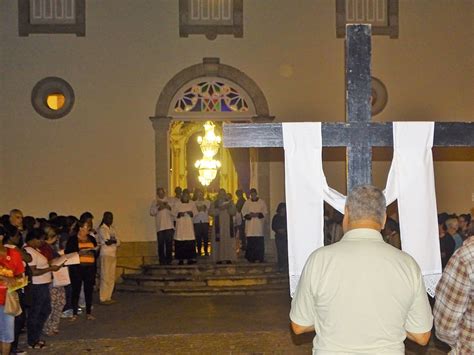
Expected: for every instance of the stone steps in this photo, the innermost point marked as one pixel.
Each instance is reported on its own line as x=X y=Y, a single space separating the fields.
x=205 y=290
x=206 y=278
x=203 y=280
x=210 y=269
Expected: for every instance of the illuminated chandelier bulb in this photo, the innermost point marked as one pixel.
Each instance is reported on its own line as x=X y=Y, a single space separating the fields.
x=209 y=145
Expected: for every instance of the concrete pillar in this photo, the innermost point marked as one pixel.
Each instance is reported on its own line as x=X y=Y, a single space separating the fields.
x=161 y=126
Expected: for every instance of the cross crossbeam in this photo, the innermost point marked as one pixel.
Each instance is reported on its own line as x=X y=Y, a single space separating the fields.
x=358 y=134
x=340 y=134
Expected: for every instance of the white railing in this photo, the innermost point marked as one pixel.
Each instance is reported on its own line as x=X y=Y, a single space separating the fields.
x=52 y=12
x=211 y=11
x=367 y=11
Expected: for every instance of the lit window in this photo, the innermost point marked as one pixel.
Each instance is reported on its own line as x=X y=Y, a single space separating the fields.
x=55 y=101
x=52 y=97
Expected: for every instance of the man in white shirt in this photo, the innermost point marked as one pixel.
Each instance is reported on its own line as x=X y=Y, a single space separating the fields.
x=254 y=212
x=108 y=243
x=173 y=200
x=361 y=295
x=161 y=209
x=201 y=222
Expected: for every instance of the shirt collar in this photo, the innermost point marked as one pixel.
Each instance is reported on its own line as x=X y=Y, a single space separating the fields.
x=362 y=234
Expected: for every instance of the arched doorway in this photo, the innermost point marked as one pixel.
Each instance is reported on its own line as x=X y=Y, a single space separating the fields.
x=182 y=109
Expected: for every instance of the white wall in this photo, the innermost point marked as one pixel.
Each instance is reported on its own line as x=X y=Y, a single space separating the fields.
x=101 y=156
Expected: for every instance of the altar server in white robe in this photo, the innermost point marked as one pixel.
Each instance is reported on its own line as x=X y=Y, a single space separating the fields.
x=184 y=238
x=254 y=211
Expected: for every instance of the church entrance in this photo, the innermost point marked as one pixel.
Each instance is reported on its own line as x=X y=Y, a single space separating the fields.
x=216 y=93
x=197 y=112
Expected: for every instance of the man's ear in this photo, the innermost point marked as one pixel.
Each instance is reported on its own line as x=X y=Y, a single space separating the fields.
x=345 y=220
x=346 y=213
x=384 y=220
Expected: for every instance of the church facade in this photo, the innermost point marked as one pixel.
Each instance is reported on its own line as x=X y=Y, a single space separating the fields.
x=128 y=76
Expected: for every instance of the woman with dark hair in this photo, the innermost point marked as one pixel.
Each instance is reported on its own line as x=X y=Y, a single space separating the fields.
x=58 y=296
x=83 y=273
x=281 y=236
x=14 y=240
x=42 y=277
x=68 y=230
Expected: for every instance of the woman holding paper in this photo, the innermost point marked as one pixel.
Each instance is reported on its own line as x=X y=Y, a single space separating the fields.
x=56 y=291
x=40 y=298
x=83 y=273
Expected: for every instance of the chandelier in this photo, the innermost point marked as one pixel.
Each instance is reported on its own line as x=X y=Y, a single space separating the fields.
x=209 y=144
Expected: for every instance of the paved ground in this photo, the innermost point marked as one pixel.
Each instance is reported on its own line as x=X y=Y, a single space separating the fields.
x=153 y=324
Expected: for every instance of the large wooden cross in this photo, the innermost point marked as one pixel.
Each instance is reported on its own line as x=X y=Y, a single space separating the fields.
x=358 y=134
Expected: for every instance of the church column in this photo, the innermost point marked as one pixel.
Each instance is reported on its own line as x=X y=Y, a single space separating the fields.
x=161 y=127
x=263 y=181
x=263 y=188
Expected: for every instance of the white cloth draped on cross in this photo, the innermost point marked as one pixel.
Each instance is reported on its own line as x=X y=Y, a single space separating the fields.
x=410 y=182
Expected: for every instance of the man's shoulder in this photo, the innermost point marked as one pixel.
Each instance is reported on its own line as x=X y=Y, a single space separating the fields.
x=466 y=252
x=385 y=250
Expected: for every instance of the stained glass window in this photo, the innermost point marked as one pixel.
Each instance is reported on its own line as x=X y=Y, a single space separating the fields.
x=211 y=96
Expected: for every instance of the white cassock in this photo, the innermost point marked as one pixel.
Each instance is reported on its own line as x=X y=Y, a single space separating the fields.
x=255 y=226
x=184 y=225
x=410 y=182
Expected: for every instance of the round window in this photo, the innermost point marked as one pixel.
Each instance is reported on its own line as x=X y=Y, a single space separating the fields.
x=52 y=97
x=379 y=96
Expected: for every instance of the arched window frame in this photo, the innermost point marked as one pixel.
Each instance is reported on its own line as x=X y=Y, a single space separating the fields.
x=188 y=115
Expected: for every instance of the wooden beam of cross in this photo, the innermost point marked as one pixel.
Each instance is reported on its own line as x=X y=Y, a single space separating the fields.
x=358 y=134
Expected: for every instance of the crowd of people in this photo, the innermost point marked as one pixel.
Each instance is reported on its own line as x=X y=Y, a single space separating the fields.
x=186 y=221
x=49 y=266
x=48 y=271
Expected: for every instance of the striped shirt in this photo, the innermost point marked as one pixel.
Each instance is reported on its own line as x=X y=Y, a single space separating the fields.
x=89 y=258
x=454 y=308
